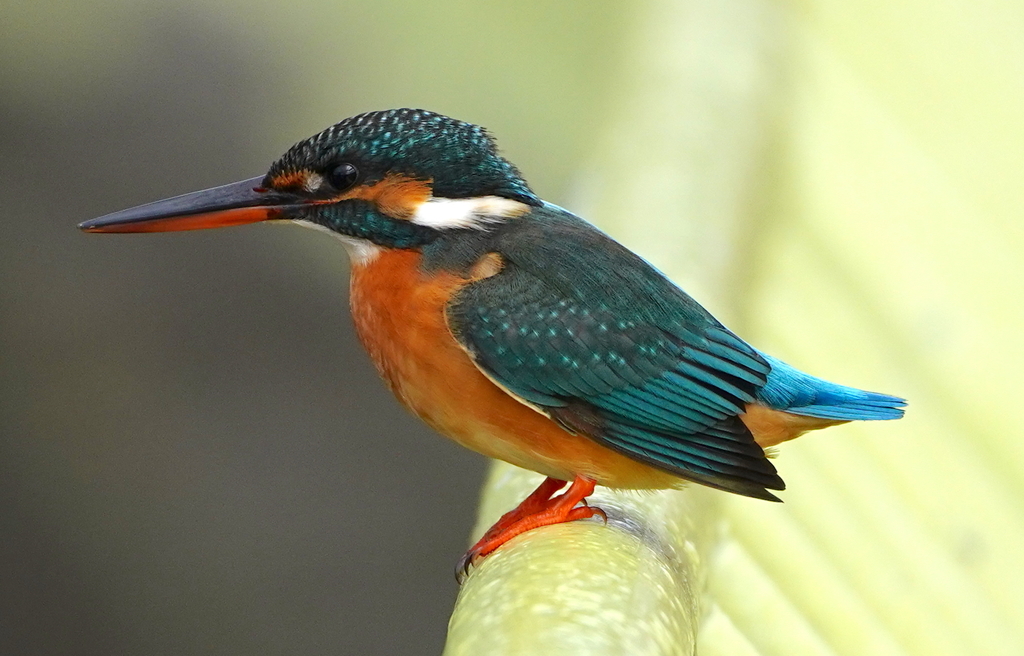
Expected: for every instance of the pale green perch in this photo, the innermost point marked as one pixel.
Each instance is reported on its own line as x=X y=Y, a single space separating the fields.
x=583 y=588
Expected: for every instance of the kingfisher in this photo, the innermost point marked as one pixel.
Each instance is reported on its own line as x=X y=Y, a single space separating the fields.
x=517 y=328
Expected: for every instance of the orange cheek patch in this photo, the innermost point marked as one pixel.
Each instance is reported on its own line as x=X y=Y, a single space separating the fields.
x=396 y=195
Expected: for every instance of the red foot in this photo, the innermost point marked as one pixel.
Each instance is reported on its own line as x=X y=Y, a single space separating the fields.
x=541 y=508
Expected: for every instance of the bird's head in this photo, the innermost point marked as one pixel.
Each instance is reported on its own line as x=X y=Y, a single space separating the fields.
x=395 y=178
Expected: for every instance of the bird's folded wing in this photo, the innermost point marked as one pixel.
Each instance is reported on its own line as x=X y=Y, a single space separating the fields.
x=662 y=390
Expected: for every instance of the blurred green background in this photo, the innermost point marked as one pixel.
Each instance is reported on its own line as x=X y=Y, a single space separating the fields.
x=196 y=456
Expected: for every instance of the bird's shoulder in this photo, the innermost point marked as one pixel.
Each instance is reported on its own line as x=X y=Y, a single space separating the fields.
x=561 y=255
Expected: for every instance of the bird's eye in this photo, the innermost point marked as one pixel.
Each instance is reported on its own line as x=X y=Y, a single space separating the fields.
x=343 y=176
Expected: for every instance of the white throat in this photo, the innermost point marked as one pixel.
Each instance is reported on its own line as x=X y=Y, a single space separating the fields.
x=360 y=251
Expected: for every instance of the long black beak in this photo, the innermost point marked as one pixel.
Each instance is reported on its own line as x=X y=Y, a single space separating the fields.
x=232 y=204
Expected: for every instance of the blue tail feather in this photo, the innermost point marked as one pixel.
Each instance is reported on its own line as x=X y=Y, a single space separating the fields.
x=793 y=391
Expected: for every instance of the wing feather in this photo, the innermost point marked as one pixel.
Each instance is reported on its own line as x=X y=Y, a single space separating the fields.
x=664 y=387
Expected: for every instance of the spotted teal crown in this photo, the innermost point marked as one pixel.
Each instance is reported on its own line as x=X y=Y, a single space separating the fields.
x=461 y=159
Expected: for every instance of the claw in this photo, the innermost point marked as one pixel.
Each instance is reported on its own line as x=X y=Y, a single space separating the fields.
x=541 y=508
x=466 y=563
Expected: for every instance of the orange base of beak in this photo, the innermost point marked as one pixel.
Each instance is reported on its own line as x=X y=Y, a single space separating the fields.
x=220 y=219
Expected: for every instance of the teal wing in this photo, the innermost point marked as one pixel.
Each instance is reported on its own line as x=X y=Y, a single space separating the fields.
x=642 y=370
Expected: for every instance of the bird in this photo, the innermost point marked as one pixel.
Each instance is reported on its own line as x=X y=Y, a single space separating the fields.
x=520 y=330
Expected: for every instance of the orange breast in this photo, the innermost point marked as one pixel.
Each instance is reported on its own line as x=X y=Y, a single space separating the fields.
x=399 y=316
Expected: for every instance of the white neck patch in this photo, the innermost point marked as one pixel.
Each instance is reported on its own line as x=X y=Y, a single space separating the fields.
x=477 y=213
x=439 y=213
x=360 y=251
